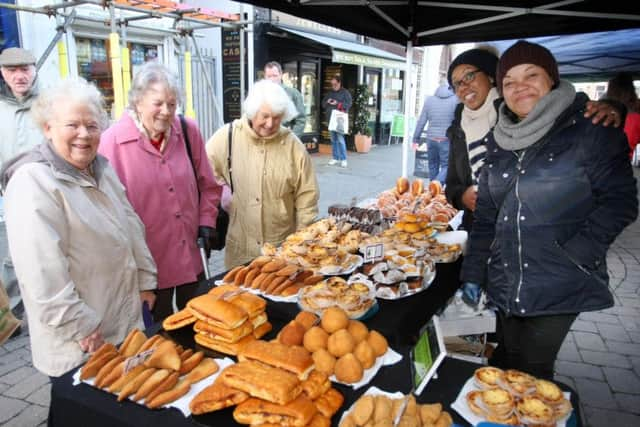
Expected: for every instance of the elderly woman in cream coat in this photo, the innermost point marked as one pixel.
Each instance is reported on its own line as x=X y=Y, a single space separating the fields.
x=275 y=191
x=78 y=247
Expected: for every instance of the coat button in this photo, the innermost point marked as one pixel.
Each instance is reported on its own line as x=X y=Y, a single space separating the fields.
x=505 y=175
x=522 y=171
x=171 y=189
x=495 y=150
x=178 y=215
x=522 y=310
x=257 y=199
x=505 y=218
x=490 y=165
x=522 y=218
x=506 y=264
x=526 y=265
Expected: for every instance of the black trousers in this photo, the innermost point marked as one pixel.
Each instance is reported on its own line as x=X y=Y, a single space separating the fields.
x=164 y=297
x=530 y=344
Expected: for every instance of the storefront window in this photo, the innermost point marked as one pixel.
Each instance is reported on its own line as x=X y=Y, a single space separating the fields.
x=391 y=104
x=308 y=88
x=95 y=66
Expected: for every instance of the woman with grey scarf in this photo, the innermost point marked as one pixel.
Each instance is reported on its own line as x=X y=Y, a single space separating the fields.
x=554 y=193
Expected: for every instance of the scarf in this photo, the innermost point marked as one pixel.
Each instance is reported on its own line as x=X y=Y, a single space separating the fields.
x=477 y=123
x=159 y=145
x=517 y=135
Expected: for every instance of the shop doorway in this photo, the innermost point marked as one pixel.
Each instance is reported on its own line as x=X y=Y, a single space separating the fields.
x=373 y=80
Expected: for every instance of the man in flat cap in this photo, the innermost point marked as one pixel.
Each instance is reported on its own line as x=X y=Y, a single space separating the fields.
x=18 y=134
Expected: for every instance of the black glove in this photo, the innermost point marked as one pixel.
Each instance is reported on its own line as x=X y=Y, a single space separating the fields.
x=207 y=238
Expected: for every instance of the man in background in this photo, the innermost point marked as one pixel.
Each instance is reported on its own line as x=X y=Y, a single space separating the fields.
x=339 y=99
x=438 y=110
x=273 y=72
x=18 y=134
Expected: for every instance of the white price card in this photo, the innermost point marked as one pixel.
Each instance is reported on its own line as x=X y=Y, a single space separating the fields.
x=373 y=252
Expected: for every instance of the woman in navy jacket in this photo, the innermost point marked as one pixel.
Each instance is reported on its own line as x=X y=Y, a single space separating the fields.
x=555 y=191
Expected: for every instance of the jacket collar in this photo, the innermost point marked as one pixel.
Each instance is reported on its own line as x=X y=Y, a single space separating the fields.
x=128 y=131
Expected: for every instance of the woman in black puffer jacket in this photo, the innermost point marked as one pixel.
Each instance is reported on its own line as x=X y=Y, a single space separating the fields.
x=554 y=193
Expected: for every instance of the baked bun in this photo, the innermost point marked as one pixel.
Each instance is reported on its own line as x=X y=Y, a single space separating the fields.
x=348 y=369
x=333 y=319
x=378 y=343
x=292 y=333
x=435 y=188
x=358 y=330
x=364 y=353
x=315 y=339
x=417 y=187
x=324 y=361
x=488 y=377
x=307 y=319
x=402 y=185
x=340 y=343
x=217 y=312
x=132 y=343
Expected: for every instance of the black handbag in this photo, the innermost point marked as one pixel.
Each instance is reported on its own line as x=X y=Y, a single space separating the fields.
x=222 y=220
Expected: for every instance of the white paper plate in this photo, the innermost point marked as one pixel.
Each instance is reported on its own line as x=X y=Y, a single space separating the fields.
x=452 y=237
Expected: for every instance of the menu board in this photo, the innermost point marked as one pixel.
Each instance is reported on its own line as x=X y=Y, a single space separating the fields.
x=231 y=97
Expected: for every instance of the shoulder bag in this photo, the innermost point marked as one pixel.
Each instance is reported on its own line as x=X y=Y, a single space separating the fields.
x=222 y=220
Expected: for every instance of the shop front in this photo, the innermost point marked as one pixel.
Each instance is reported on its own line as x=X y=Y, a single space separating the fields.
x=311 y=54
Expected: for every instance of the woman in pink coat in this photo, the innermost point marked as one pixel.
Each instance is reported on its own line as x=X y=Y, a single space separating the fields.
x=175 y=198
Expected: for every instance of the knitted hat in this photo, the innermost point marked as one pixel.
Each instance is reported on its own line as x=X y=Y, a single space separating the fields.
x=483 y=59
x=523 y=52
x=16 y=56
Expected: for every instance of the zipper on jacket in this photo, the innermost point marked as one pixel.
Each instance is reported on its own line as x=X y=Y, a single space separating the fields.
x=520 y=157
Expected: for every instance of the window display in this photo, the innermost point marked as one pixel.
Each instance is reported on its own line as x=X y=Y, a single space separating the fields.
x=391 y=104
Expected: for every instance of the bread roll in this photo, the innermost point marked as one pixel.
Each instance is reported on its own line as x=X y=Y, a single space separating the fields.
x=333 y=319
x=340 y=343
x=315 y=339
x=358 y=330
x=402 y=185
x=378 y=343
x=348 y=369
x=292 y=333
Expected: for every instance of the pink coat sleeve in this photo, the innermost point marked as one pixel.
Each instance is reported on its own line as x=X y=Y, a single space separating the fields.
x=210 y=190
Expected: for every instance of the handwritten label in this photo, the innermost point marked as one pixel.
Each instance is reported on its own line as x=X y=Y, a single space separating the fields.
x=138 y=359
x=373 y=252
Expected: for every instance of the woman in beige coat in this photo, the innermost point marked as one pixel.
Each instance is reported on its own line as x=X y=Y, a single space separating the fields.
x=78 y=247
x=275 y=191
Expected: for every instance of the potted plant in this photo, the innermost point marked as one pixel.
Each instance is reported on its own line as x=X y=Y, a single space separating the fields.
x=361 y=130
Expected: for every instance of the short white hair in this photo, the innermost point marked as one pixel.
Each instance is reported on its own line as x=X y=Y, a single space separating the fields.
x=72 y=89
x=150 y=73
x=266 y=92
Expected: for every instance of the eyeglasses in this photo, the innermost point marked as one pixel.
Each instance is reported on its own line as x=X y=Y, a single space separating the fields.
x=466 y=79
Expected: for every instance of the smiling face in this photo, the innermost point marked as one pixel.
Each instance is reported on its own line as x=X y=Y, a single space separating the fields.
x=523 y=86
x=266 y=123
x=156 y=109
x=19 y=78
x=471 y=85
x=74 y=133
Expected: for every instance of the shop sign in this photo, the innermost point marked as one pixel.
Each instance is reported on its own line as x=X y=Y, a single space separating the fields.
x=353 y=58
x=281 y=18
x=231 y=98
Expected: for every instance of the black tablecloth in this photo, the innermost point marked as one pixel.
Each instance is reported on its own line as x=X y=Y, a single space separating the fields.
x=398 y=320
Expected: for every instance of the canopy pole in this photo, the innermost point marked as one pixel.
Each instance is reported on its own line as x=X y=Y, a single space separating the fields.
x=407 y=109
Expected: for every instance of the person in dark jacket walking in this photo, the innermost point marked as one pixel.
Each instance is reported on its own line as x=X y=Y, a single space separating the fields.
x=554 y=193
x=337 y=99
x=438 y=111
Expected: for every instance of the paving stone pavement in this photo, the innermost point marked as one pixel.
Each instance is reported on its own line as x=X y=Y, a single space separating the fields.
x=600 y=358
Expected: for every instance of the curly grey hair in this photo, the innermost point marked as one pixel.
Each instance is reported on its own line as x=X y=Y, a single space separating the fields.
x=72 y=89
x=265 y=92
x=151 y=73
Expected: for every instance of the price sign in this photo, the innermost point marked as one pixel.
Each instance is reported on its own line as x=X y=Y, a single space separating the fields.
x=373 y=252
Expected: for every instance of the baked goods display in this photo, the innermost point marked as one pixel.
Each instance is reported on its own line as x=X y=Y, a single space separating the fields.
x=327 y=247
x=151 y=371
x=377 y=408
x=355 y=298
x=270 y=276
x=343 y=347
x=363 y=219
x=513 y=397
x=413 y=198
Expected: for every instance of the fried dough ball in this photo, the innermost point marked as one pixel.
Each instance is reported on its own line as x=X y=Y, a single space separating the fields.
x=348 y=369
x=333 y=319
x=358 y=330
x=340 y=343
x=324 y=361
x=378 y=343
x=315 y=338
x=292 y=333
x=363 y=409
x=384 y=407
x=364 y=353
x=408 y=421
